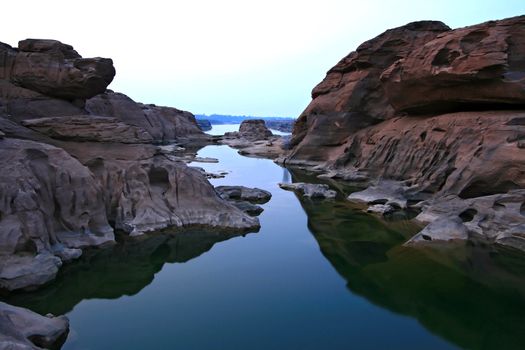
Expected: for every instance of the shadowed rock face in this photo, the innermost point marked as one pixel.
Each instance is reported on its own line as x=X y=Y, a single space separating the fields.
x=438 y=110
x=24 y=329
x=50 y=204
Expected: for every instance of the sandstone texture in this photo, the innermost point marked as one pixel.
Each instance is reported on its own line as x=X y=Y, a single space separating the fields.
x=77 y=163
x=254 y=139
x=433 y=114
x=24 y=329
x=162 y=123
x=318 y=191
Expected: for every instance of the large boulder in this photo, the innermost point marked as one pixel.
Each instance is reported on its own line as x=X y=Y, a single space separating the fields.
x=55 y=69
x=351 y=96
x=254 y=129
x=477 y=67
x=26 y=330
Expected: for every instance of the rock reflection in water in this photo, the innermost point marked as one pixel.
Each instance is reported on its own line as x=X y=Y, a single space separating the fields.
x=467 y=293
x=123 y=269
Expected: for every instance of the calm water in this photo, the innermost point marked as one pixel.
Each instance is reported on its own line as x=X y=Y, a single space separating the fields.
x=316 y=276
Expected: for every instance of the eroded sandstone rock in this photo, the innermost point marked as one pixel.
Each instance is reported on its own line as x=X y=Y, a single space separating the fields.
x=82 y=128
x=48 y=201
x=351 y=96
x=55 y=69
x=254 y=195
x=162 y=123
x=481 y=66
x=23 y=329
x=319 y=191
x=379 y=114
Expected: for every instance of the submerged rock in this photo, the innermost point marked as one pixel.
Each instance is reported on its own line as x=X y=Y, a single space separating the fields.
x=319 y=191
x=254 y=195
x=23 y=329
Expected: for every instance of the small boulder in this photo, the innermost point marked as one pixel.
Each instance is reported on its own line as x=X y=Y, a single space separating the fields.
x=253 y=195
x=318 y=191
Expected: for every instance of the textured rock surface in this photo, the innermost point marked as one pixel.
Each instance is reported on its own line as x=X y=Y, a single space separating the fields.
x=70 y=168
x=481 y=66
x=319 y=191
x=438 y=111
x=162 y=123
x=55 y=69
x=254 y=129
x=23 y=329
x=145 y=191
x=244 y=198
x=254 y=195
x=48 y=202
x=351 y=96
x=88 y=128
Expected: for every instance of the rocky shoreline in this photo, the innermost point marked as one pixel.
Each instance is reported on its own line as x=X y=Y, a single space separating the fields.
x=431 y=119
x=80 y=162
x=421 y=118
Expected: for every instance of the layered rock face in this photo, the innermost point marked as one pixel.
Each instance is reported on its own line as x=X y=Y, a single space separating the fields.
x=78 y=162
x=162 y=123
x=439 y=111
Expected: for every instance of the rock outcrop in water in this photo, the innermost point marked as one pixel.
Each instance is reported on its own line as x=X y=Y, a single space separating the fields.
x=26 y=330
x=79 y=161
x=437 y=111
x=255 y=139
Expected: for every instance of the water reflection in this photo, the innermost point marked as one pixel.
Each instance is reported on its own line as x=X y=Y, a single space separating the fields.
x=123 y=269
x=469 y=294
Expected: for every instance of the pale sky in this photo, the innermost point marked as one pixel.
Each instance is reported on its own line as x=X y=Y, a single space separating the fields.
x=257 y=58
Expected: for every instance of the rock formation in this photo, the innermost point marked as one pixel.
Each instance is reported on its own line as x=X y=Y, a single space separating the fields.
x=437 y=113
x=78 y=162
x=255 y=139
x=24 y=329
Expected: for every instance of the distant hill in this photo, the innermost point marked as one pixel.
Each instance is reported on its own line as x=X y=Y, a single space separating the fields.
x=278 y=123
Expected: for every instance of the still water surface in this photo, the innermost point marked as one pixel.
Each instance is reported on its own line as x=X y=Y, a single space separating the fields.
x=318 y=275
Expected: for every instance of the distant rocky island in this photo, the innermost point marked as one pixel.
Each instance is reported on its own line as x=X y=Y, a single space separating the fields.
x=422 y=118
x=276 y=123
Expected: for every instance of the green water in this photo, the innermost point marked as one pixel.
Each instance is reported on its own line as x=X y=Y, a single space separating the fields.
x=318 y=275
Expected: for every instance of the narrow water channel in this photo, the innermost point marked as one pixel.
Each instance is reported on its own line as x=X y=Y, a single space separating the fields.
x=318 y=275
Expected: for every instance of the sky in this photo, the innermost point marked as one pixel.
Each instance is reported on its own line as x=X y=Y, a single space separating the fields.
x=259 y=58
